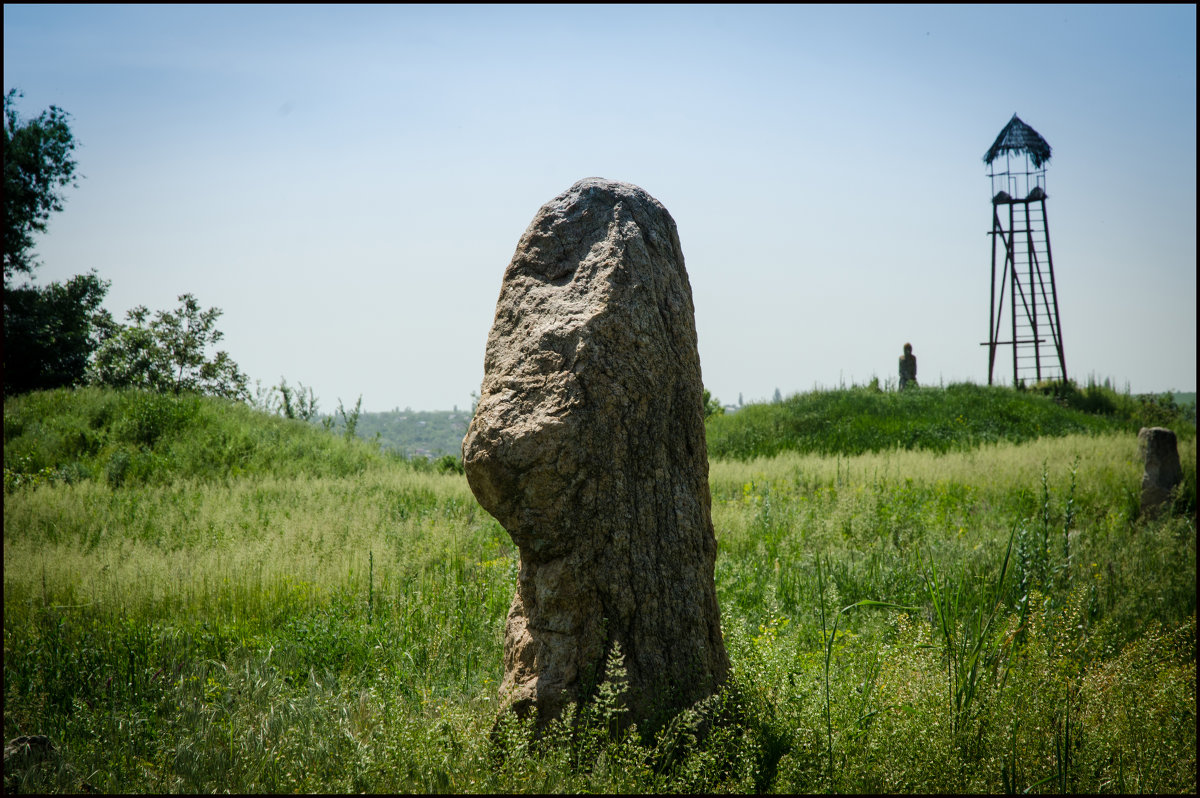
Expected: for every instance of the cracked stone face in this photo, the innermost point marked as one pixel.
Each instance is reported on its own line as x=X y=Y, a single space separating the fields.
x=588 y=446
x=1159 y=451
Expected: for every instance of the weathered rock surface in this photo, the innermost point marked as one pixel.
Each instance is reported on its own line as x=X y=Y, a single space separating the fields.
x=26 y=750
x=588 y=446
x=1159 y=450
x=21 y=754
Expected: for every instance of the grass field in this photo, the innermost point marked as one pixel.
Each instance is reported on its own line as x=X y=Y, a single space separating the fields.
x=308 y=614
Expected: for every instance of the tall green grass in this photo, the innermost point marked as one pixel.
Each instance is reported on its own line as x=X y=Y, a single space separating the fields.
x=137 y=437
x=332 y=632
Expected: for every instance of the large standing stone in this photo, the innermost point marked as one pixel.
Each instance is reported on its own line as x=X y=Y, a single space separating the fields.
x=588 y=446
x=1159 y=450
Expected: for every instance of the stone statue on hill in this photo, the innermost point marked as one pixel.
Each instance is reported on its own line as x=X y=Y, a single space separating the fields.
x=908 y=368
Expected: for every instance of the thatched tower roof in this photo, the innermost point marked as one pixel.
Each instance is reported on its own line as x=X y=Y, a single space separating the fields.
x=1019 y=137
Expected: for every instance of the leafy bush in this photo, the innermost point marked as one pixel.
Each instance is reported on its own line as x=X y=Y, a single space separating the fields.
x=168 y=353
x=449 y=464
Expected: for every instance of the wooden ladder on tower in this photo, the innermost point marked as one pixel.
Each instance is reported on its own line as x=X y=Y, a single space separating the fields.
x=1028 y=281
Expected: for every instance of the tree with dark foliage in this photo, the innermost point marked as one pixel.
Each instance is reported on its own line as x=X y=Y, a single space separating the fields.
x=48 y=332
x=59 y=335
x=37 y=163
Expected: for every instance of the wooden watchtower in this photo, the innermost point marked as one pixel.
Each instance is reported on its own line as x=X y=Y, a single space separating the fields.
x=1020 y=234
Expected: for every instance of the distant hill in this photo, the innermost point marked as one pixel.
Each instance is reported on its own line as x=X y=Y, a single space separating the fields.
x=416 y=433
x=853 y=420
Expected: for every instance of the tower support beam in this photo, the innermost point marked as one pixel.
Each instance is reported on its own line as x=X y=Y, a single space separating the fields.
x=1027 y=272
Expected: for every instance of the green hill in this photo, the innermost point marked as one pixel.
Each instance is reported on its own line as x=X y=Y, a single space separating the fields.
x=960 y=416
x=136 y=437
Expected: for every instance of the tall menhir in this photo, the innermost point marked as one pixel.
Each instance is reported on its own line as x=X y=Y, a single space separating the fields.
x=588 y=446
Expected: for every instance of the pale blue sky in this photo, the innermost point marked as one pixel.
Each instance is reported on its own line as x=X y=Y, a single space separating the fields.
x=349 y=183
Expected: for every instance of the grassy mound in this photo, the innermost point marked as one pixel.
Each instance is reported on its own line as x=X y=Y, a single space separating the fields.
x=136 y=437
x=956 y=418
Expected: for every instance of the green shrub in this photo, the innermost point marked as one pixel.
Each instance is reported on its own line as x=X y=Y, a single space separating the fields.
x=449 y=464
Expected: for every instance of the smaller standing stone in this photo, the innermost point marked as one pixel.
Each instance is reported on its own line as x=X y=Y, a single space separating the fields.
x=1157 y=447
x=21 y=754
x=26 y=750
x=908 y=368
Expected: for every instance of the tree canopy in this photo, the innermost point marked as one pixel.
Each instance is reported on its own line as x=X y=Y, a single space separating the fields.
x=48 y=332
x=37 y=165
x=168 y=353
x=59 y=335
